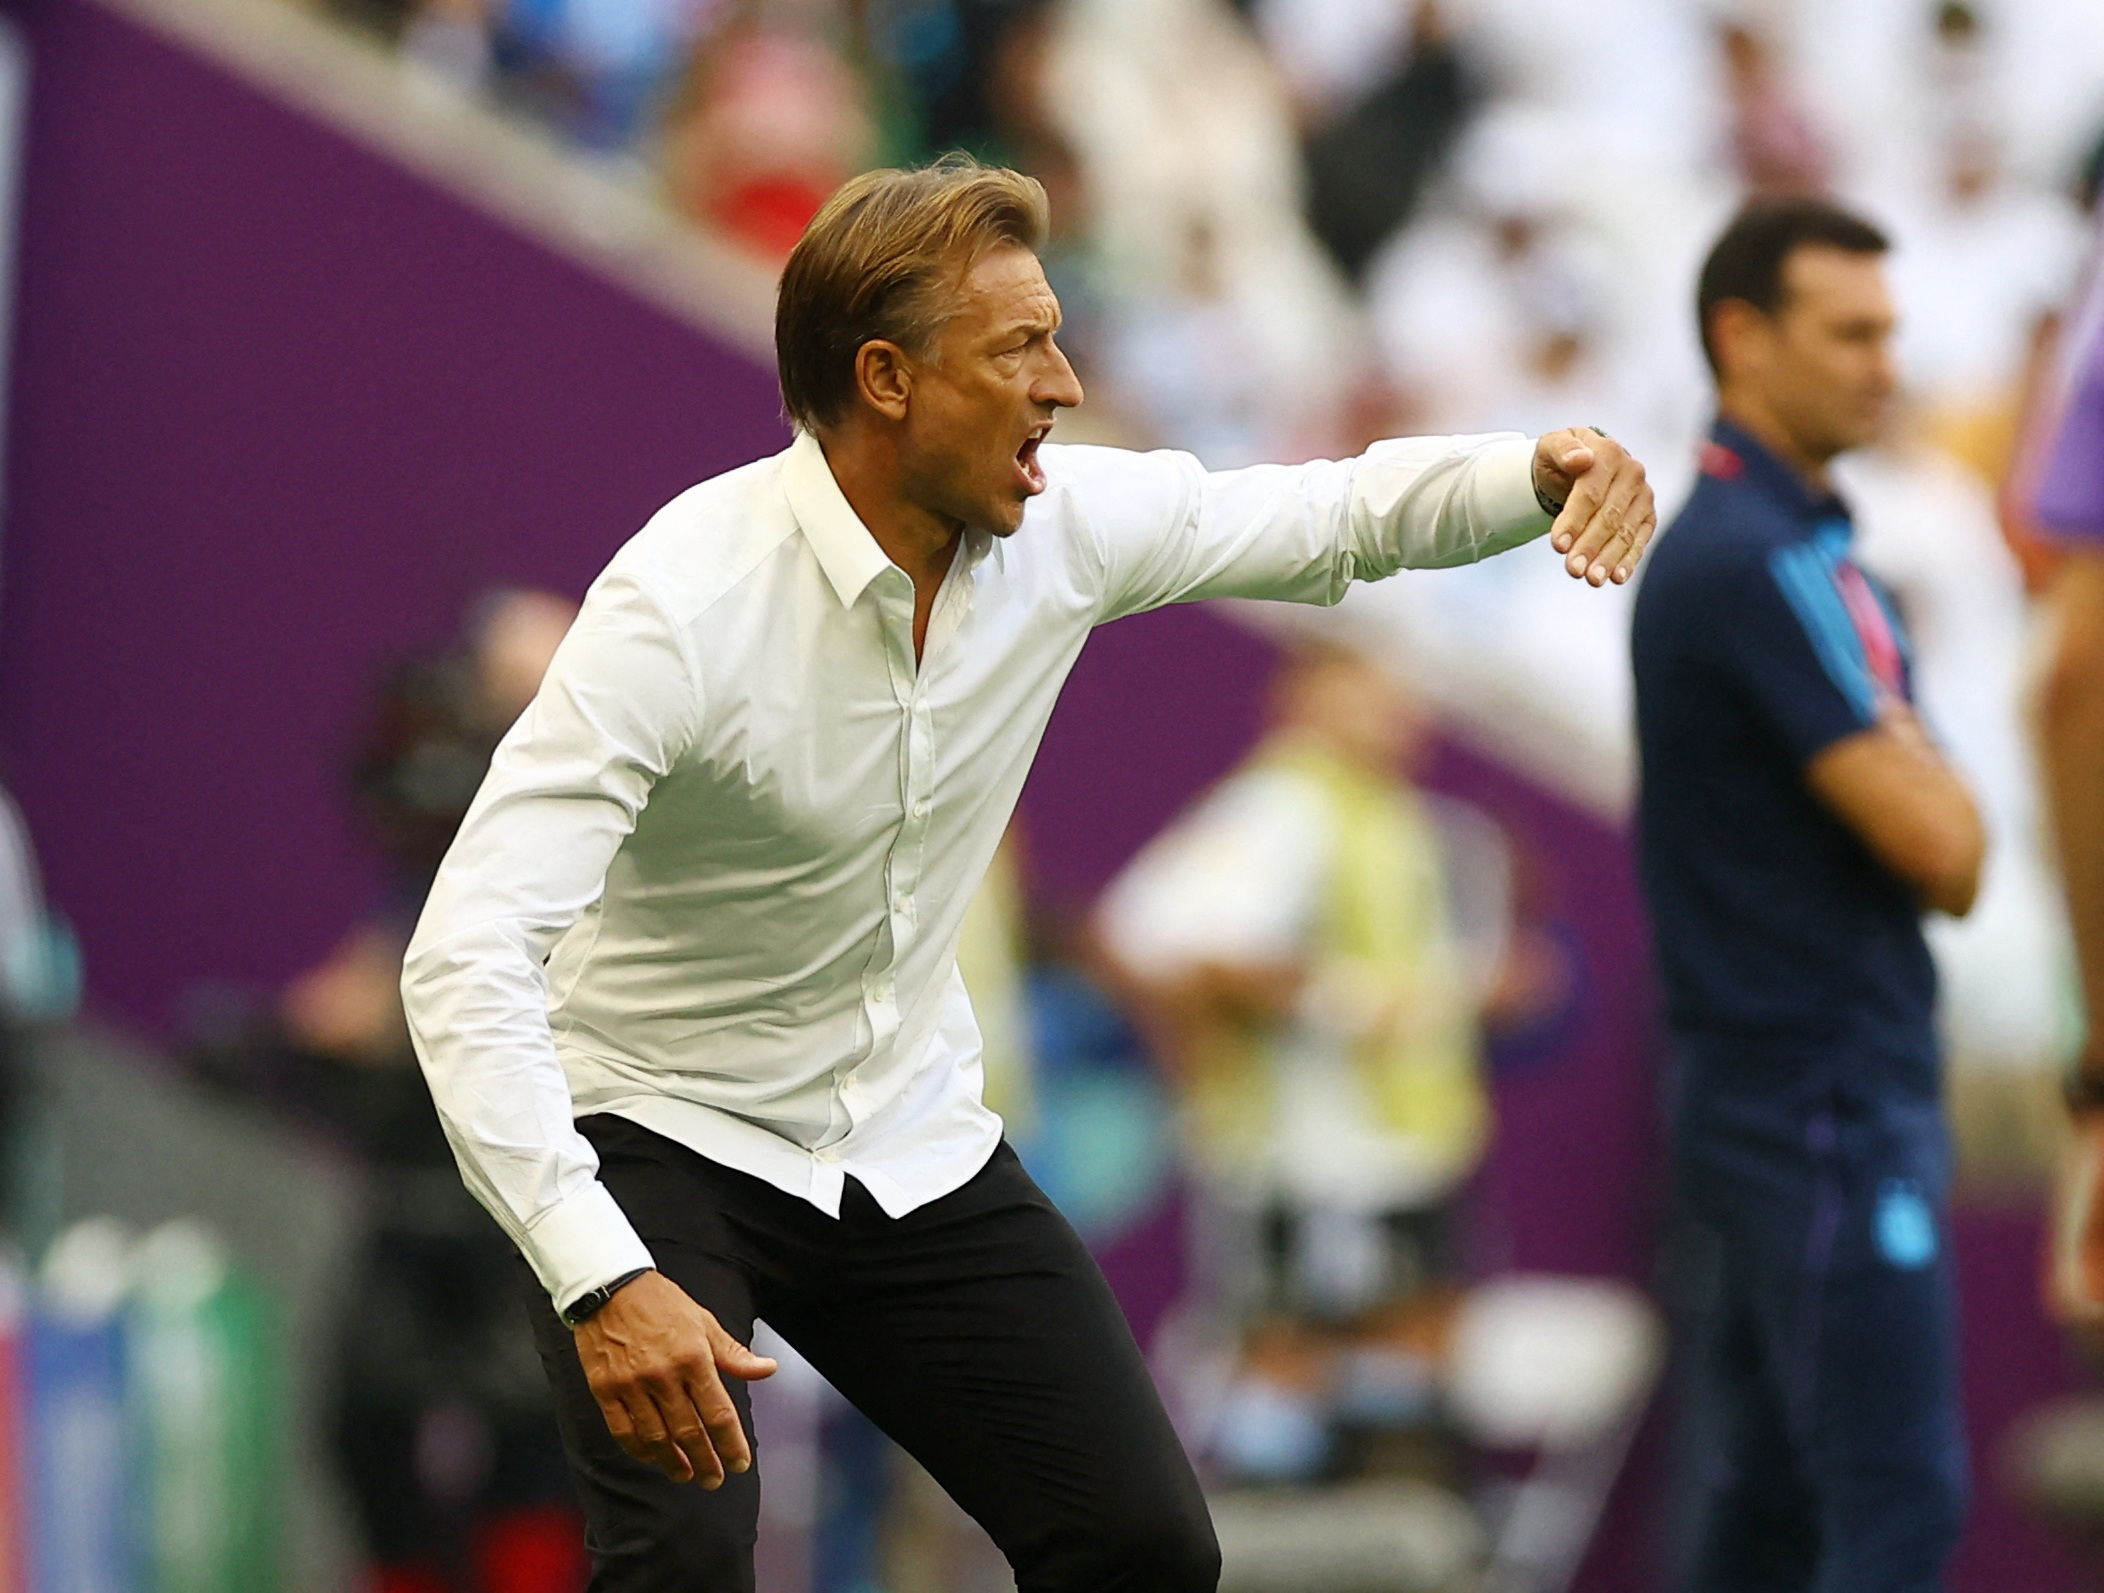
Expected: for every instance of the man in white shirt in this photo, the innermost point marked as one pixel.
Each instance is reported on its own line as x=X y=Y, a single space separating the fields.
x=685 y=988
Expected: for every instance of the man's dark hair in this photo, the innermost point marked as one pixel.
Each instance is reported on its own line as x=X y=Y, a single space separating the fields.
x=1747 y=262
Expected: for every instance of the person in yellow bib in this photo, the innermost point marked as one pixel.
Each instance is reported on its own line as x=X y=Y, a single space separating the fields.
x=1293 y=939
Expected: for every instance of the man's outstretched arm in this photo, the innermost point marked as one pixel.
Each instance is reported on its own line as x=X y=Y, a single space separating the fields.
x=1169 y=531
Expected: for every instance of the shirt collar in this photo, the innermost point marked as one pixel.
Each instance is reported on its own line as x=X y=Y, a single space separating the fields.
x=1734 y=454
x=846 y=551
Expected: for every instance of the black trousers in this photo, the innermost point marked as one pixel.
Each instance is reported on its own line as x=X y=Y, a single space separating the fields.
x=976 y=1331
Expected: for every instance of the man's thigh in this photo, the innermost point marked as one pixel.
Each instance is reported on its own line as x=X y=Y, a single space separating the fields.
x=647 y=1533
x=1760 y=1533
x=1840 y=1256
x=980 y=1335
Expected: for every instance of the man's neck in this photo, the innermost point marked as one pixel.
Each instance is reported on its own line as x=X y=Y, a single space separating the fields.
x=917 y=540
x=1759 y=423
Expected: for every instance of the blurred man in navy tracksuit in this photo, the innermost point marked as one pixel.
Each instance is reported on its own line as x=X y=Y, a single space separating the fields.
x=1797 y=820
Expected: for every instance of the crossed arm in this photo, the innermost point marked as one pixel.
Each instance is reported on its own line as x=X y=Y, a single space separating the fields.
x=1892 y=787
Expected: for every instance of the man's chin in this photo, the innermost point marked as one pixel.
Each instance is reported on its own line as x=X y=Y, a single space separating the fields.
x=1004 y=518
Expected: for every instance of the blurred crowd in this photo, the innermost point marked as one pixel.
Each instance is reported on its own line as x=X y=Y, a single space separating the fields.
x=1397 y=214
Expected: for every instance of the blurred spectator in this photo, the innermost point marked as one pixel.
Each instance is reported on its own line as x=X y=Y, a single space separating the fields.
x=1774 y=145
x=442 y=1423
x=39 y=986
x=433 y=729
x=1178 y=358
x=1370 y=161
x=1180 y=129
x=769 y=120
x=1295 y=939
x=598 y=69
x=452 y=38
x=1500 y=292
x=1983 y=263
x=954 y=63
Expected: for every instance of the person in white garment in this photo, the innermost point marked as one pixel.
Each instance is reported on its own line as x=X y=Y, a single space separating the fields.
x=685 y=989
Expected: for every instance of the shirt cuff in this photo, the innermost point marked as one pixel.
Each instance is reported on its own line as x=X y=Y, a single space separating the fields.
x=1503 y=489
x=581 y=1242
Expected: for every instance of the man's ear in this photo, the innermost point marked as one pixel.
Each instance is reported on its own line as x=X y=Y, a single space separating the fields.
x=884 y=377
x=1737 y=328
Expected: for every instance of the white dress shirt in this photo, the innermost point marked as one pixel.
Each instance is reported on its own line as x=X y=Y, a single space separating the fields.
x=714 y=880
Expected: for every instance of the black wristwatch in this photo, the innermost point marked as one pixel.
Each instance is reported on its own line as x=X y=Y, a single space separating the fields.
x=587 y=1305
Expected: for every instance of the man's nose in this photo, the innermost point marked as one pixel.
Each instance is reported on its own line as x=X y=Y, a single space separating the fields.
x=1058 y=385
x=1885 y=369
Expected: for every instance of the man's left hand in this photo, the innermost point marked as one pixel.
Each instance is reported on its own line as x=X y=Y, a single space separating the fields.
x=1608 y=514
x=2075 y=1263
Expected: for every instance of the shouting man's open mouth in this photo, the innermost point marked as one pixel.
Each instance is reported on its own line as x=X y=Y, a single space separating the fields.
x=1026 y=460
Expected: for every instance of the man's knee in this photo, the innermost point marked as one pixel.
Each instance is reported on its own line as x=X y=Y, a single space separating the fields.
x=679 y=1541
x=1171 y=1550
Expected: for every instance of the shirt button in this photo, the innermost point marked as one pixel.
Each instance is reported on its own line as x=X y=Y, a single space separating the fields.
x=829 y=1155
x=920 y=809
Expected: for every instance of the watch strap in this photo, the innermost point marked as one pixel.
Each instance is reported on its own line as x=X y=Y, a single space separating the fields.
x=588 y=1304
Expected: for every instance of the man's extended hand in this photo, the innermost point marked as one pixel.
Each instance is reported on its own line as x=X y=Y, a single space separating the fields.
x=655 y=1361
x=1608 y=515
x=2075 y=1268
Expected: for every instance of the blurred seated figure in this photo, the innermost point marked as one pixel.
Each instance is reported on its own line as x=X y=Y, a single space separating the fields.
x=769 y=120
x=1775 y=147
x=1985 y=261
x=597 y=69
x=1369 y=162
x=39 y=988
x=1178 y=128
x=1294 y=941
x=443 y=1431
x=1179 y=359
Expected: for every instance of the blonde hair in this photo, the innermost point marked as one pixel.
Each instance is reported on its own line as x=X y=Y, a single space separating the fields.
x=880 y=260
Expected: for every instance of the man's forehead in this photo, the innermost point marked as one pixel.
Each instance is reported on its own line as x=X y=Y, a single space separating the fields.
x=1834 y=277
x=1007 y=286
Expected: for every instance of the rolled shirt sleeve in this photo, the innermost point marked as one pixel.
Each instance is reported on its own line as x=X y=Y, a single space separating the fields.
x=565 y=786
x=1168 y=531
